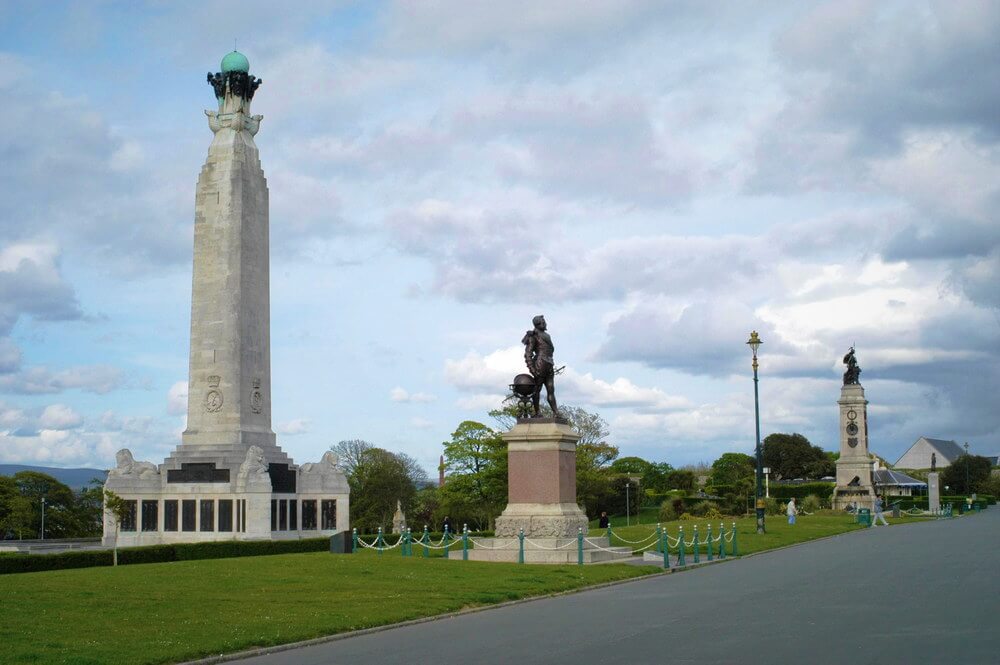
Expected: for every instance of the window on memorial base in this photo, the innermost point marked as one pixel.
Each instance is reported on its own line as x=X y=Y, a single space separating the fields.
x=328 y=509
x=293 y=515
x=225 y=514
x=150 y=515
x=274 y=514
x=207 y=515
x=309 y=515
x=128 y=520
x=283 y=515
x=243 y=516
x=170 y=515
x=189 y=514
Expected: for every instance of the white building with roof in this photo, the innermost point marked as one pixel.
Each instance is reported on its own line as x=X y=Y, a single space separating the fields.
x=919 y=454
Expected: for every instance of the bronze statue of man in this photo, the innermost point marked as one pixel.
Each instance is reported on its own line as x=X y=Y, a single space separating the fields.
x=853 y=373
x=538 y=350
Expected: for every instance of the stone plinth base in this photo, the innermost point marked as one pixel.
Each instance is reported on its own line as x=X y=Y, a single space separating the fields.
x=547 y=550
x=862 y=497
x=541 y=520
x=934 y=492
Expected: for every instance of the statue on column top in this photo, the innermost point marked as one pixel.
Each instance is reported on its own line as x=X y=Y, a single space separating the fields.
x=853 y=374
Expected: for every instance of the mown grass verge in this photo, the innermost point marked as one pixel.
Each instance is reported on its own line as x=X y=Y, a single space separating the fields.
x=168 y=612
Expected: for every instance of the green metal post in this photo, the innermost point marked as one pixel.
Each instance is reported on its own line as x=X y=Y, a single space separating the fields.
x=444 y=541
x=696 y=544
x=406 y=543
x=659 y=539
x=520 y=551
x=736 y=548
x=722 y=540
x=354 y=541
x=379 y=541
x=680 y=546
x=609 y=532
x=579 y=546
x=465 y=542
x=664 y=547
x=709 y=541
x=425 y=538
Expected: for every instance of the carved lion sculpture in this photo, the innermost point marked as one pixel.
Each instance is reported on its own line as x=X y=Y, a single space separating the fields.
x=254 y=464
x=328 y=463
x=126 y=465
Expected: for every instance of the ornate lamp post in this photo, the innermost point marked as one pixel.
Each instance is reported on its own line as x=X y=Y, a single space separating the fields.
x=754 y=342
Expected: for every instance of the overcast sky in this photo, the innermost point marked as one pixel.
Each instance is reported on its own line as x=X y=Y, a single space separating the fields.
x=657 y=178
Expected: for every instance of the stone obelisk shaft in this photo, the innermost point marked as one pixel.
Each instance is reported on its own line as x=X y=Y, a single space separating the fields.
x=229 y=384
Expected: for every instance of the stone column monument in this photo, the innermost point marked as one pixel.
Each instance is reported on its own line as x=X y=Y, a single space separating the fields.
x=934 y=487
x=854 y=468
x=228 y=478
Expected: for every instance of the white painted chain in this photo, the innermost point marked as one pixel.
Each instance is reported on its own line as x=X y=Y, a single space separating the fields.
x=604 y=549
x=487 y=547
x=632 y=542
x=382 y=547
x=552 y=549
x=729 y=538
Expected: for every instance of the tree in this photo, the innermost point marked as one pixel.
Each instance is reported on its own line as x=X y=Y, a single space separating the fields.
x=15 y=510
x=60 y=504
x=615 y=502
x=378 y=480
x=792 y=456
x=735 y=470
x=350 y=453
x=119 y=509
x=681 y=479
x=476 y=487
x=954 y=475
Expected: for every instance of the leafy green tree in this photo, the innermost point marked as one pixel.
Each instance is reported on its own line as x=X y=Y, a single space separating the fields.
x=60 y=504
x=954 y=475
x=378 y=480
x=735 y=470
x=475 y=491
x=15 y=511
x=792 y=456
x=681 y=479
x=119 y=508
x=615 y=501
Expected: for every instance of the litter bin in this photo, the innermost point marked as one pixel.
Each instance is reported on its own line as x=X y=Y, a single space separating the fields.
x=864 y=516
x=895 y=509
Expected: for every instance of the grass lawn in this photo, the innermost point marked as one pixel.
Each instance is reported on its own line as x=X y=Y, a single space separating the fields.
x=164 y=612
x=779 y=531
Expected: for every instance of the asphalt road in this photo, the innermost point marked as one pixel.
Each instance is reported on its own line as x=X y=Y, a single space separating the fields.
x=919 y=593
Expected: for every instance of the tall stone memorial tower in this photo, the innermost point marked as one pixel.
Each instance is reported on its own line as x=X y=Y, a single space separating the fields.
x=228 y=479
x=854 y=467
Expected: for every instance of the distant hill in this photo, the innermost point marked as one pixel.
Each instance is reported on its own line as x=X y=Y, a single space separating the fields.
x=75 y=478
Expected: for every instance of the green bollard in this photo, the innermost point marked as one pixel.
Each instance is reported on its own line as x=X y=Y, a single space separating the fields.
x=680 y=546
x=520 y=551
x=709 y=541
x=696 y=544
x=465 y=542
x=609 y=532
x=736 y=549
x=378 y=541
x=659 y=539
x=425 y=539
x=579 y=546
x=354 y=541
x=722 y=540
x=664 y=547
x=444 y=541
x=408 y=542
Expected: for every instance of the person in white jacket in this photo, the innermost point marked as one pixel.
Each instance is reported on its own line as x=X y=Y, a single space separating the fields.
x=791 y=511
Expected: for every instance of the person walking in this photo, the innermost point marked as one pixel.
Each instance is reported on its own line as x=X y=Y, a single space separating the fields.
x=877 y=509
x=791 y=511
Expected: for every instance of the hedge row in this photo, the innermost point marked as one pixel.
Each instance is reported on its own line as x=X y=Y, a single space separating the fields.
x=821 y=490
x=30 y=563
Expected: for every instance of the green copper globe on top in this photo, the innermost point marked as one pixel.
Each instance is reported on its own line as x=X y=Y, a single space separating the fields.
x=235 y=62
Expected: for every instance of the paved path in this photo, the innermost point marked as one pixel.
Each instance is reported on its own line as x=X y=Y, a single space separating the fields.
x=920 y=593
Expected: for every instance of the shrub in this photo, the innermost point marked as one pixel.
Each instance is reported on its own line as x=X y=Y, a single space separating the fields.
x=774 y=507
x=712 y=513
x=686 y=517
x=811 y=503
x=667 y=511
x=786 y=492
x=701 y=508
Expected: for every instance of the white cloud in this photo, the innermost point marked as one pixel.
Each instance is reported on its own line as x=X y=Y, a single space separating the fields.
x=399 y=394
x=59 y=417
x=292 y=427
x=177 y=398
x=421 y=423
x=100 y=379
